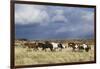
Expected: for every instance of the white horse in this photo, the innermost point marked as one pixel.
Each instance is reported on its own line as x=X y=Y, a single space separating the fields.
x=76 y=46
x=85 y=46
x=57 y=45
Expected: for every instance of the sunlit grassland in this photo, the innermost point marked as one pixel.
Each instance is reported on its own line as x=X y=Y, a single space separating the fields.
x=25 y=57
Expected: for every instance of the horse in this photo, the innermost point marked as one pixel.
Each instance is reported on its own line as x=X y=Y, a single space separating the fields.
x=79 y=47
x=51 y=45
x=58 y=45
x=33 y=46
x=45 y=45
x=72 y=45
x=84 y=47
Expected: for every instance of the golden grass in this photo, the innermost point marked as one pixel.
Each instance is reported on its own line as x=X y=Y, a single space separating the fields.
x=24 y=57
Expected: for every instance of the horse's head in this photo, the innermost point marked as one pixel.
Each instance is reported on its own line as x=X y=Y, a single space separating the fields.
x=71 y=44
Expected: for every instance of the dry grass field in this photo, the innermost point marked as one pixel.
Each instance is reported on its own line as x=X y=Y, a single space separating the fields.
x=31 y=57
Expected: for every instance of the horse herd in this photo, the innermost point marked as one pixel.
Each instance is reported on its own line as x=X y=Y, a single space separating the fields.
x=53 y=46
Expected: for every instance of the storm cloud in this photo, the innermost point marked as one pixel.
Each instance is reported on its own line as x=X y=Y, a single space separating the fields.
x=53 y=22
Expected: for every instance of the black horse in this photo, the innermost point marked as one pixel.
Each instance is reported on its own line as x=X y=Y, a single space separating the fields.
x=60 y=46
x=45 y=45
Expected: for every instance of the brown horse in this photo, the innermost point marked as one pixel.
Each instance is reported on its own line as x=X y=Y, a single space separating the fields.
x=72 y=45
x=33 y=46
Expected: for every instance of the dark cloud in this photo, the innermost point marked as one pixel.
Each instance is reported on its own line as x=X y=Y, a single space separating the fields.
x=56 y=23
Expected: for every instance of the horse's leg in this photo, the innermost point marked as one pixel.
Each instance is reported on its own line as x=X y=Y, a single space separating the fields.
x=28 y=49
x=55 y=49
x=35 y=49
x=51 y=49
x=60 y=49
x=86 y=49
x=43 y=49
x=81 y=49
x=73 y=50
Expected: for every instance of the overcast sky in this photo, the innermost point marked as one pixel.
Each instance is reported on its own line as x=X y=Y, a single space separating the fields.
x=53 y=22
